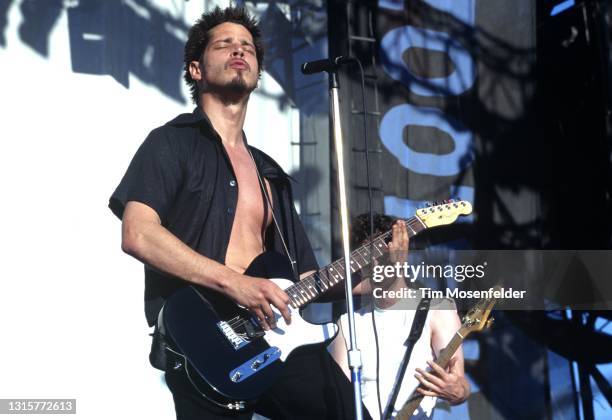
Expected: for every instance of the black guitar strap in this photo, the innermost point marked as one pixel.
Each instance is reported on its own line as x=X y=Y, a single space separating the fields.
x=415 y=333
x=268 y=204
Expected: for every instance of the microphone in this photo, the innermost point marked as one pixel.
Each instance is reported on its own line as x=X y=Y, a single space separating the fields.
x=328 y=64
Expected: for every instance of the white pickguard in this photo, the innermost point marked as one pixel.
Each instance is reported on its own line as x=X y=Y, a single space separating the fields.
x=299 y=332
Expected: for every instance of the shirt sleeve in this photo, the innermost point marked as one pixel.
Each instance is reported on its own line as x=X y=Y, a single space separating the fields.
x=152 y=178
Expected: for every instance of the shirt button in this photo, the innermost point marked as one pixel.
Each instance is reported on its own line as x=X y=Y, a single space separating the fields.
x=230 y=210
x=233 y=183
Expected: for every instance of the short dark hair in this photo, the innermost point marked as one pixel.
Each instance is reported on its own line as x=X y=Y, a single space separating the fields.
x=199 y=35
x=360 y=228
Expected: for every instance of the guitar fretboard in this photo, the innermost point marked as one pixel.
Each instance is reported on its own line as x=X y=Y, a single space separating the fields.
x=314 y=285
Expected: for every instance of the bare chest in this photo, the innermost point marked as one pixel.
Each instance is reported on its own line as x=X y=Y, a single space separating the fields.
x=252 y=216
x=251 y=203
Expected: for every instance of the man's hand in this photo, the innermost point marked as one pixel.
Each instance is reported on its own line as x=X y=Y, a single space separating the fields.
x=257 y=294
x=398 y=254
x=450 y=385
x=398 y=247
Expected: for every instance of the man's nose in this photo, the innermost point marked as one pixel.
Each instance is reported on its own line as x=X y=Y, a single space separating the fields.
x=238 y=51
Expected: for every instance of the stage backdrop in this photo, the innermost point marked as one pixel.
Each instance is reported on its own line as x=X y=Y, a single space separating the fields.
x=500 y=103
x=450 y=99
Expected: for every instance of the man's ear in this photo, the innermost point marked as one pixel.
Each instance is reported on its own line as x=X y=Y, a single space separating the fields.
x=194 y=71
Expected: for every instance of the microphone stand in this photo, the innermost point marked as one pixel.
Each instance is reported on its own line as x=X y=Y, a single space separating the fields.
x=354 y=354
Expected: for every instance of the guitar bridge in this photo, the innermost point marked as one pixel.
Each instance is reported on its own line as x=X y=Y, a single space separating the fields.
x=234 y=339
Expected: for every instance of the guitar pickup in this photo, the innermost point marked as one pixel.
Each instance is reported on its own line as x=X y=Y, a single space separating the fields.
x=253 y=329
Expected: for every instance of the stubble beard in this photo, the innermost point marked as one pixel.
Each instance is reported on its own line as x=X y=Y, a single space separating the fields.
x=234 y=89
x=239 y=86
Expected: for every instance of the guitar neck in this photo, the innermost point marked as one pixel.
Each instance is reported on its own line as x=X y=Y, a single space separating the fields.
x=448 y=351
x=445 y=355
x=313 y=286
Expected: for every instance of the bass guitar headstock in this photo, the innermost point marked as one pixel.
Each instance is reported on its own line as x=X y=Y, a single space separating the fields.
x=477 y=318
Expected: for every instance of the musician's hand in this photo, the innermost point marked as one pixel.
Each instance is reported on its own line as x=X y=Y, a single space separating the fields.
x=398 y=247
x=257 y=294
x=450 y=385
x=398 y=254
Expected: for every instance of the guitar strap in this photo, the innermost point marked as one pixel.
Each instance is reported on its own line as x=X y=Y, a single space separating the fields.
x=268 y=204
x=415 y=333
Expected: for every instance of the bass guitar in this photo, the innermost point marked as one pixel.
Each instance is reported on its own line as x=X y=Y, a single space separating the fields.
x=476 y=319
x=223 y=350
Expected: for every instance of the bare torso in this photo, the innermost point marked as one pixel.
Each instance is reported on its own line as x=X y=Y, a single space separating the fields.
x=247 y=236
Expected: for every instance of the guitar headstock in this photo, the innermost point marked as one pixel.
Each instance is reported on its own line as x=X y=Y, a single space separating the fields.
x=477 y=318
x=443 y=213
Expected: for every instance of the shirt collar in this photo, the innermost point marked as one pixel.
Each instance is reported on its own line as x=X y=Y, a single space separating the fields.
x=196 y=117
x=268 y=167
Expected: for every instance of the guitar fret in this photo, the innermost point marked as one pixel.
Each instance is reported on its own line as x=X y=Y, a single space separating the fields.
x=379 y=246
x=416 y=220
x=294 y=295
x=312 y=292
x=334 y=273
x=319 y=282
x=320 y=287
x=297 y=293
x=411 y=229
x=319 y=277
x=339 y=268
x=364 y=256
x=325 y=279
x=303 y=291
x=329 y=272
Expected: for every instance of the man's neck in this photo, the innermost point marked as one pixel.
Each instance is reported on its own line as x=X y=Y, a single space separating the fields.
x=227 y=117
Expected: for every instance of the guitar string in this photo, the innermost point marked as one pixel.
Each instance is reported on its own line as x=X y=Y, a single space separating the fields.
x=298 y=299
x=415 y=226
x=314 y=279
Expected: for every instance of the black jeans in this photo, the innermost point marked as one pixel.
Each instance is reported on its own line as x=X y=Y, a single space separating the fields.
x=311 y=387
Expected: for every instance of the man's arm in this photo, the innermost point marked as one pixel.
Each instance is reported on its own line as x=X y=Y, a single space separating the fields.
x=144 y=237
x=449 y=384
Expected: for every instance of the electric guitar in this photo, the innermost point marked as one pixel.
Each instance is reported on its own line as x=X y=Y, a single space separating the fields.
x=476 y=319
x=223 y=350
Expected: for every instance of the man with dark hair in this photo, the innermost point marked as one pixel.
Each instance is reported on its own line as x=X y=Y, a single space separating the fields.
x=199 y=37
x=198 y=205
x=394 y=323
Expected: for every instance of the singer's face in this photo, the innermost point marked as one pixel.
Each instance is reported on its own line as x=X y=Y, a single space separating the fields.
x=228 y=62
